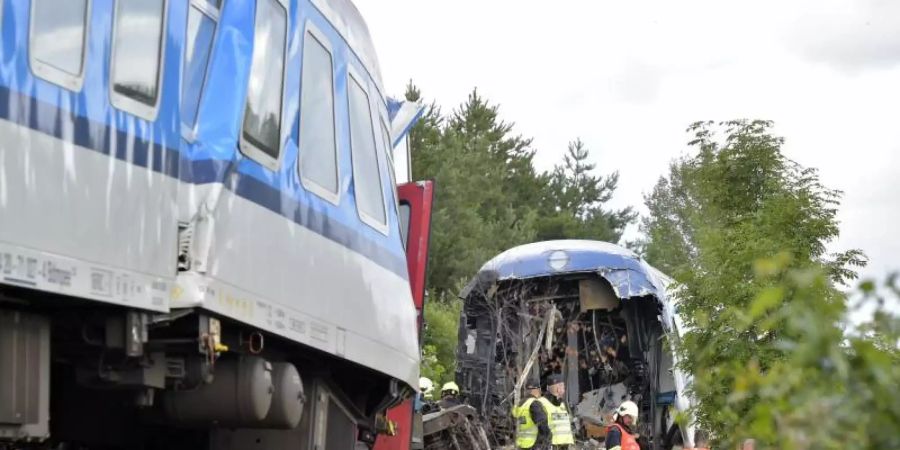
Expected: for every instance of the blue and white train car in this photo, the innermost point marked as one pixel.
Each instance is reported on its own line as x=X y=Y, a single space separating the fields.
x=200 y=234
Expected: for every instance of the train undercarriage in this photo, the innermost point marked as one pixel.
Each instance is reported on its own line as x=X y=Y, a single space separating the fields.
x=76 y=376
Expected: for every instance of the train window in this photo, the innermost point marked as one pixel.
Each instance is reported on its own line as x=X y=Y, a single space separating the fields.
x=137 y=56
x=203 y=16
x=385 y=135
x=405 y=210
x=389 y=152
x=386 y=142
x=366 y=175
x=261 y=135
x=318 y=153
x=57 y=41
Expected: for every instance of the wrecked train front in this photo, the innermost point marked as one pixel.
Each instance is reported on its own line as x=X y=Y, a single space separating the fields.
x=591 y=311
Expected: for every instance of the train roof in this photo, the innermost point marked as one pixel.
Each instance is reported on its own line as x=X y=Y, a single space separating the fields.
x=349 y=23
x=628 y=274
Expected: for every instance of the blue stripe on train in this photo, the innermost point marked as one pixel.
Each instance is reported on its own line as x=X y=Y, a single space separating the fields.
x=29 y=112
x=32 y=113
x=272 y=199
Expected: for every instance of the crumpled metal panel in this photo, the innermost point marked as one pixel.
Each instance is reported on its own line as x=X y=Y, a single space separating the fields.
x=627 y=273
x=403 y=115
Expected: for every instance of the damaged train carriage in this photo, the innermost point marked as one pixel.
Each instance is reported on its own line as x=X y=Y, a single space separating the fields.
x=592 y=311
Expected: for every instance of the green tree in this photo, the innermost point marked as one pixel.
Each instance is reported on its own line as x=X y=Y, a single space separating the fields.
x=485 y=191
x=489 y=198
x=485 y=187
x=828 y=389
x=572 y=206
x=425 y=136
x=442 y=323
x=736 y=200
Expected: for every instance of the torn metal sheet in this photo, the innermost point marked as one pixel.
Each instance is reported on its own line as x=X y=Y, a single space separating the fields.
x=628 y=275
x=456 y=428
x=403 y=115
x=593 y=294
x=597 y=406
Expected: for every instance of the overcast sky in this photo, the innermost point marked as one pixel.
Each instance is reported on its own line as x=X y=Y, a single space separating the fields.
x=627 y=77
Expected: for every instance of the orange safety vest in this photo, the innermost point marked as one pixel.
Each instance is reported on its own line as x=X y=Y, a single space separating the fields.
x=628 y=441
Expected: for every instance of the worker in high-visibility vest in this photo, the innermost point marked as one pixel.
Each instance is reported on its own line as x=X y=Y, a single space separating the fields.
x=558 y=417
x=619 y=435
x=529 y=416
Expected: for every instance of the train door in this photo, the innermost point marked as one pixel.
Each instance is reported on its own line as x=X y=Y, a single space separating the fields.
x=415 y=227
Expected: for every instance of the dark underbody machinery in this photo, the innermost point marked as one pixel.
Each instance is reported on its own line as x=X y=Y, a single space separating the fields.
x=128 y=379
x=608 y=349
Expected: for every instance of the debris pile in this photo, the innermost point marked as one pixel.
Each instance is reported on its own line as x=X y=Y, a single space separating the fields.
x=456 y=428
x=607 y=349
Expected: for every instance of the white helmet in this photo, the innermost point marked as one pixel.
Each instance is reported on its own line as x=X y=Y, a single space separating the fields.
x=627 y=408
x=426 y=386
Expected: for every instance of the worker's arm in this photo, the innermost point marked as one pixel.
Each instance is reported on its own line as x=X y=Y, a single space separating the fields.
x=613 y=439
x=539 y=417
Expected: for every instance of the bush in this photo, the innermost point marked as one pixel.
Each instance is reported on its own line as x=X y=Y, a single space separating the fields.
x=441 y=327
x=830 y=388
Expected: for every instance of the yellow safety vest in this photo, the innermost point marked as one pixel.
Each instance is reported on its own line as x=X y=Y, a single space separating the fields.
x=560 y=425
x=526 y=429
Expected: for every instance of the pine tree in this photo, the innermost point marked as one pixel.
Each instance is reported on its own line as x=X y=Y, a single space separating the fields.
x=485 y=187
x=489 y=198
x=572 y=206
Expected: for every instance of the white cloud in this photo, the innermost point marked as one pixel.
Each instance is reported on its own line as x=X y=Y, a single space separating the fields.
x=628 y=77
x=850 y=36
x=637 y=82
